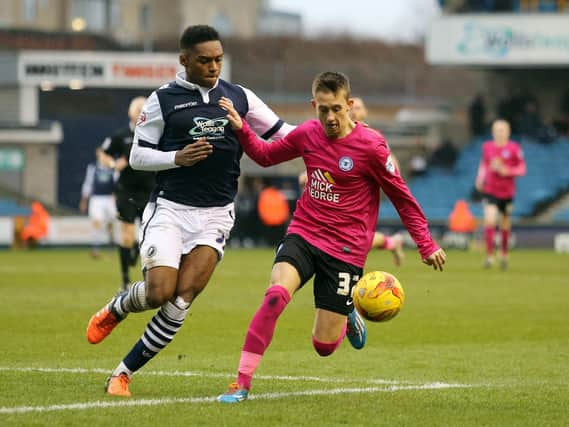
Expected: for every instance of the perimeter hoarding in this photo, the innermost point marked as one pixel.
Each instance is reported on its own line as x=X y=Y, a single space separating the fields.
x=499 y=40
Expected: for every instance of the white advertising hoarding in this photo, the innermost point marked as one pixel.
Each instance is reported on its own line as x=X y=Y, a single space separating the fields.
x=499 y=40
x=6 y=231
x=100 y=69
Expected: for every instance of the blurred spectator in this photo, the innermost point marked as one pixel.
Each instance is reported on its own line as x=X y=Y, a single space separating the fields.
x=562 y=124
x=504 y=109
x=274 y=213
x=37 y=226
x=477 y=114
x=444 y=155
x=418 y=162
x=529 y=122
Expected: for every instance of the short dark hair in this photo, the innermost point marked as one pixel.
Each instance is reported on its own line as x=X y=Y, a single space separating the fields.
x=331 y=81
x=196 y=34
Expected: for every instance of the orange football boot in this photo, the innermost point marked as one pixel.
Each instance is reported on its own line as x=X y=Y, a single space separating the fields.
x=118 y=385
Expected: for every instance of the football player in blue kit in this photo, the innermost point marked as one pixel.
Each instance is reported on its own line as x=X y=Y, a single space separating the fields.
x=183 y=134
x=98 y=200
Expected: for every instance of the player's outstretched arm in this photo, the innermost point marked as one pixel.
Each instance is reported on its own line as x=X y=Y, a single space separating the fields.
x=261 y=152
x=436 y=259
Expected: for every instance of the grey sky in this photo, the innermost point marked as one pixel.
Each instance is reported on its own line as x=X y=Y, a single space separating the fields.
x=391 y=20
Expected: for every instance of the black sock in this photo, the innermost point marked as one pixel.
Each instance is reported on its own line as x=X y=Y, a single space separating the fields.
x=134 y=254
x=124 y=255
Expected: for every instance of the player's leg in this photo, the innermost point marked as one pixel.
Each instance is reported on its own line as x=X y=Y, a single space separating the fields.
x=162 y=251
x=393 y=243
x=197 y=231
x=505 y=232
x=285 y=280
x=125 y=247
x=196 y=269
x=328 y=332
x=96 y=213
x=490 y=222
x=160 y=288
x=109 y=218
x=127 y=213
x=97 y=238
x=140 y=200
x=336 y=316
x=293 y=267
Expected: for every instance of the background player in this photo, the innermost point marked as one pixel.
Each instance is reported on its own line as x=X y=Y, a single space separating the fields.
x=332 y=228
x=97 y=197
x=393 y=243
x=132 y=189
x=184 y=135
x=502 y=161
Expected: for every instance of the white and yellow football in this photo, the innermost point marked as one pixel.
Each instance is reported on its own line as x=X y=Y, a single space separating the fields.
x=378 y=296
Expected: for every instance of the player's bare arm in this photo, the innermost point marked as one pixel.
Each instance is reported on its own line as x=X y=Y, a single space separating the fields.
x=121 y=163
x=105 y=159
x=232 y=114
x=193 y=153
x=436 y=259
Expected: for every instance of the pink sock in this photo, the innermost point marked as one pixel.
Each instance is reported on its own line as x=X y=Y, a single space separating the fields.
x=260 y=333
x=489 y=237
x=327 y=348
x=504 y=241
x=388 y=242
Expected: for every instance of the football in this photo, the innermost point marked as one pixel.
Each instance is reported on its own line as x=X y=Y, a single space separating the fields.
x=378 y=296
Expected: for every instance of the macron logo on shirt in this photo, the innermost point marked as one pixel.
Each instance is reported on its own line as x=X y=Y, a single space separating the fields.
x=322 y=187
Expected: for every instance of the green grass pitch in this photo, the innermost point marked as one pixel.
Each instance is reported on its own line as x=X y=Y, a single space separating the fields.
x=470 y=348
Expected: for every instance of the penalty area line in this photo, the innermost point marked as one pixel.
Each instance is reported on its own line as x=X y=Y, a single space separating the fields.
x=262 y=396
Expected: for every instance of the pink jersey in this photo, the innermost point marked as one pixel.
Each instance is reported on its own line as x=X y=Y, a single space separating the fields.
x=512 y=156
x=337 y=211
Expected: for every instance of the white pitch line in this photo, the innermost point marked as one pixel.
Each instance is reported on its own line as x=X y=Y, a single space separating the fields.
x=203 y=374
x=264 y=396
x=43 y=270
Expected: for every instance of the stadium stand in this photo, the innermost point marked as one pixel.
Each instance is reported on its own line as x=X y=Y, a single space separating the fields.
x=9 y=207
x=562 y=215
x=438 y=190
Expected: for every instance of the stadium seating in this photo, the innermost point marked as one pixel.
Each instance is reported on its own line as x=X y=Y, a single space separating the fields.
x=9 y=207
x=437 y=191
x=562 y=215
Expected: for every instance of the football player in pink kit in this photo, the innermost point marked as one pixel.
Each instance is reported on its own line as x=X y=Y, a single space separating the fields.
x=502 y=161
x=333 y=225
x=394 y=243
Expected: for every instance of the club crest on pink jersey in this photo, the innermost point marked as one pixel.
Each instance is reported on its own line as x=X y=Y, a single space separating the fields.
x=346 y=164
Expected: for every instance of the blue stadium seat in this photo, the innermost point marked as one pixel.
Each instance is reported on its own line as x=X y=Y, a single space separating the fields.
x=438 y=190
x=9 y=207
x=562 y=215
